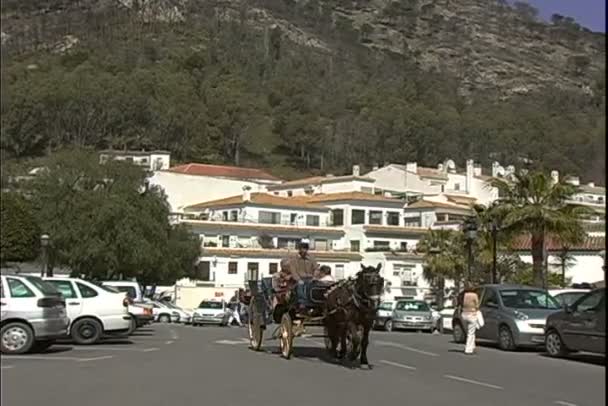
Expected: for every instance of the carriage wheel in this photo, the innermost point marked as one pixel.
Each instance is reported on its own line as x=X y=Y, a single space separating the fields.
x=256 y=333
x=286 y=336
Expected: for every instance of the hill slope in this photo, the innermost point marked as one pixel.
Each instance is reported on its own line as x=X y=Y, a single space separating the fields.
x=319 y=84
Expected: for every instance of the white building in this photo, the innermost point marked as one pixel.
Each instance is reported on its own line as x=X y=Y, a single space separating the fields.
x=193 y=183
x=151 y=160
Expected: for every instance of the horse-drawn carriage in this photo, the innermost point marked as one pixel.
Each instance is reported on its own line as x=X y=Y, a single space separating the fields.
x=345 y=309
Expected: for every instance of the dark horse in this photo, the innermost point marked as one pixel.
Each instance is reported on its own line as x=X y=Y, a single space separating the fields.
x=350 y=311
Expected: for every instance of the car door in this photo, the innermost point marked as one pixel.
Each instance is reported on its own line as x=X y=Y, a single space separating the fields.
x=3 y=300
x=580 y=328
x=73 y=303
x=22 y=300
x=90 y=300
x=489 y=309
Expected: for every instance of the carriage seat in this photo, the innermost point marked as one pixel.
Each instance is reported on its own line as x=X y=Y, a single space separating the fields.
x=311 y=292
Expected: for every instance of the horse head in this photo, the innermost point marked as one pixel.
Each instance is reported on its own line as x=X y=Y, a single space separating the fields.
x=369 y=284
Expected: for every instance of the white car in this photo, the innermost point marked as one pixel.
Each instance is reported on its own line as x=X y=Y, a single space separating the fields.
x=141 y=313
x=185 y=315
x=165 y=313
x=32 y=314
x=93 y=310
x=210 y=312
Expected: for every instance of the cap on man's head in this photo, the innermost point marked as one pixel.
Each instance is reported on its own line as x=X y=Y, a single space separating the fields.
x=304 y=243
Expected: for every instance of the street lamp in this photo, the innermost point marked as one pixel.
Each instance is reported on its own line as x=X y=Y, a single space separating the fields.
x=44 y=244
x=470 y=232
x=494 y=250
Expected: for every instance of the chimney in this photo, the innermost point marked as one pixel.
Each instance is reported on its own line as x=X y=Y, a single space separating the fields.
x=246 y=193
x=477 y=170
x=591 y=184
x=469 y=175
x=554 y=177
x=356 y=170
x=440 y=167
x=411 y=167
x=574 y=180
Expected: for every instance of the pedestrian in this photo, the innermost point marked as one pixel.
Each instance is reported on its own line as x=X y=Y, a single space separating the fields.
x=325 y=274
x=233 y=315
x=470 y=316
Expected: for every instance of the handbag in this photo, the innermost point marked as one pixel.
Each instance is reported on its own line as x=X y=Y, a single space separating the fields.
x=480 y=320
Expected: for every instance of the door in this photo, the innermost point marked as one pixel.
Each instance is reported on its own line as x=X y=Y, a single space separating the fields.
x=582 y=326
x=491 y=315
x=73 y=303
x=20 y=300
x=3 y=301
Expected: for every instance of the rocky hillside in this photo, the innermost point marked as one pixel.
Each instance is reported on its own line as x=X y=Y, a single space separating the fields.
x=486 y=44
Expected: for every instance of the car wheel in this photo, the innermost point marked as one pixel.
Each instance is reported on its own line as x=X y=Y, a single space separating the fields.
x=132 y=325
x=458 y=333
x=16 y=338
x=42 y=345
x=86 y=331
x=388 y=325
x=505 y=339
x=554 y=345
x=164 y=318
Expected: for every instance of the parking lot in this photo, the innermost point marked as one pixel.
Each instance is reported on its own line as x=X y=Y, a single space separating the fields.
x=183 y=365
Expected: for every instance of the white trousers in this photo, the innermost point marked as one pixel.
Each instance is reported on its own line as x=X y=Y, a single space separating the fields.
x=234 y=316
x=470 y=321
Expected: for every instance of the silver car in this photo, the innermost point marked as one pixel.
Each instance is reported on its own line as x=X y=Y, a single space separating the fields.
x=413 y=314
x=514 y=315
x=33 y=314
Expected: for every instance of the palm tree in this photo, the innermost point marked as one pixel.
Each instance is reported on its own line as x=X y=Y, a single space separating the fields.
x=532 y=203
x=565 y=259
x=444 y=259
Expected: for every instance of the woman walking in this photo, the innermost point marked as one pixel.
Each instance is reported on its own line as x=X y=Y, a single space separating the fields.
x=470 y=316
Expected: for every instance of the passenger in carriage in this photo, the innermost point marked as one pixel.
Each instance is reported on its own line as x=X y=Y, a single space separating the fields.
x=325 y=275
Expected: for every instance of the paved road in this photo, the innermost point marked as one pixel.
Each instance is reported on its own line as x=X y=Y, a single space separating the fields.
x=182 y=365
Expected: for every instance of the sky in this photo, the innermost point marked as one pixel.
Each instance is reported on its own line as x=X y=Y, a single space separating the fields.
x=588 y=13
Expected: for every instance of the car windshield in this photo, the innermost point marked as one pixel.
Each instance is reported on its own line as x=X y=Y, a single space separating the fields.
x=528 y=299
x=386 y=306
x=43 y=286
x=414 y=305
x=568 y=298
x=211 y=305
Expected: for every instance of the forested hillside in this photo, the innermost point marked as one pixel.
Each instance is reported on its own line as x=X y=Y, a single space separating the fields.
x=299 y=86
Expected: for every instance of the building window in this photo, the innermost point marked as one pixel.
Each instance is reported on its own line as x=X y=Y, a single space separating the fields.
x=234 y=215
x=403 y=246
x=292 y=218
x=203 y=271
x=392 y=218
x=412 y=221
x=289 y=193
x=225 y=241
x=337 y=216
x=269 y=217
x=358 y=217
x=312 y=220
x=233 y=268
x=355 y=245
x=375 y=217
x=442 y=188
x=367 y=190
x=382 y=245
x=224 y=216
x=456 y=186
x=339 y=272
x=289 y=243
x=273 y=267
x=253 y=271
x=320 y=245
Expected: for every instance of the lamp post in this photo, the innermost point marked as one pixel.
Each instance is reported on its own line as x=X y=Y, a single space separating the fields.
x=44 y=244
x=470 y=232
x=494 y=250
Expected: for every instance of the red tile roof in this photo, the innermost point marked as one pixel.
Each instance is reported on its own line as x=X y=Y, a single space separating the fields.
x=524 y=243
x=263 y=199
x=433 y=204
x=234 y=172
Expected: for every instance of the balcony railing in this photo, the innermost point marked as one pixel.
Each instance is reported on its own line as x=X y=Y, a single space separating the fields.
x=248 y=220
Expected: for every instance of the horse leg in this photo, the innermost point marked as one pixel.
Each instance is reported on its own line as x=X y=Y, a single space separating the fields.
x=364 y=345
x=342 y=335
x=355 y=340
x=331 y=332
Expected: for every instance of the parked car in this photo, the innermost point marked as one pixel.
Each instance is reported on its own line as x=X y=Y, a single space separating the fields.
x=568 y=296
x=165 y=313
x=210 y=312
x=32 y=314
x=579 y=327
x=384 y=316
x=140 y=312
x=93 y=310
x=413 y=314
x=185 y=315
x=515 y=315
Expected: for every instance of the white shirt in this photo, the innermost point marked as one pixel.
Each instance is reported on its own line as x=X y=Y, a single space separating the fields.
x=327 y=278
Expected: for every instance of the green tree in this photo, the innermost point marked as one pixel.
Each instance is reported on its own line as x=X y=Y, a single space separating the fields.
x=536 y=206
x=19 y=235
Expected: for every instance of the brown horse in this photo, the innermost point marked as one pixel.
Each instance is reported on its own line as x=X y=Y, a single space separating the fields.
x=350 y=311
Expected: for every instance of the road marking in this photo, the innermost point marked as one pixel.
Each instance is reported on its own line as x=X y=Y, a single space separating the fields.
x=150 y=349
x=313 y=341
x=39 y=358
x=8 y=366
x=405 y=347
x=169 y=342
x=398 y=365
x=108 y=349
x=95 y=358
x=232 y=342
x=174 y=335
x=487 y=385
x=562 y=403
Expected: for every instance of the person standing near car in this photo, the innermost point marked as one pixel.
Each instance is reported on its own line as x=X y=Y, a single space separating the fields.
x=470 y=309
